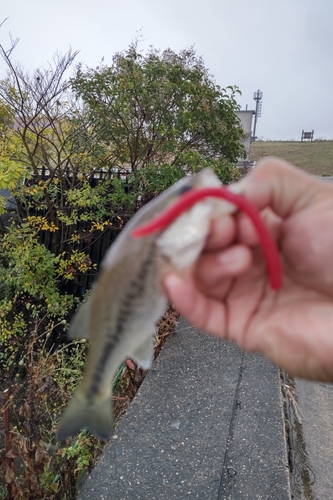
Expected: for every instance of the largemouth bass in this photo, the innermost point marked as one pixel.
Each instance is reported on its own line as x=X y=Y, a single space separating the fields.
x=121 y=313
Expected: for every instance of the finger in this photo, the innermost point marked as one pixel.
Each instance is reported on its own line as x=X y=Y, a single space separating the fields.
x=222 y=233
x=277 y=184
x=214 y=268
x=204 y=313
x=247 y=233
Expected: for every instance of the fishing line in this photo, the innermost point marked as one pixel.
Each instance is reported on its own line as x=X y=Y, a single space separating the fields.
x=231 y=432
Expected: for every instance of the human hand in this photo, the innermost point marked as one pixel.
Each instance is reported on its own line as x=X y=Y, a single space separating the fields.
x=228 y=296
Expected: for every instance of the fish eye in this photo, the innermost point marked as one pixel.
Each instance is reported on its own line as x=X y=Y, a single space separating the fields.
x=184 y=189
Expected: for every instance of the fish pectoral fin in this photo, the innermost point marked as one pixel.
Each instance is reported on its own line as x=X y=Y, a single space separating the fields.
x=79 y=327
x=143 y=355
x=80 y=413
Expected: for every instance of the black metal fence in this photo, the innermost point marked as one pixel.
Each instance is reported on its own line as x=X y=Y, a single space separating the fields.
x=94 y=245
x=95 y=251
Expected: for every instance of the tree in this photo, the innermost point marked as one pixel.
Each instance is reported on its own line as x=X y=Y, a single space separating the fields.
x=47 y=161
x=81 y=155
x=162 y=111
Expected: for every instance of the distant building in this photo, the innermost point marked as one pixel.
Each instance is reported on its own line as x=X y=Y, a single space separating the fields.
x=246 y=117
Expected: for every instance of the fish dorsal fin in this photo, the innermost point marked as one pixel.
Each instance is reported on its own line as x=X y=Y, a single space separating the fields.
x=79 y=327
x=143 y=355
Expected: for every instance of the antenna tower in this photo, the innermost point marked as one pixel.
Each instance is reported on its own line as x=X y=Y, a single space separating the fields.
x=257 y=96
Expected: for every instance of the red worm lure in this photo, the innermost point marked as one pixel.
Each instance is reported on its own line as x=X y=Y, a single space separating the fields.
x=188 y=199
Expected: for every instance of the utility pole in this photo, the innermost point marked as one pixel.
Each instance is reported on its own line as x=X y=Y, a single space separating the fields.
x=257 y=96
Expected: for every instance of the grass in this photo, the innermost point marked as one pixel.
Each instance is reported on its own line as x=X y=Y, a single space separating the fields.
x=314 y=157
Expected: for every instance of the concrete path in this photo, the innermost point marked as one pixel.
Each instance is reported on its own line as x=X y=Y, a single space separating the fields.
x=207 y=423
x=313 y=441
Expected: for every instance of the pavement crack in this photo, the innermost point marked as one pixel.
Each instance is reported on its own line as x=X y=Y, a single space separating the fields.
x=302 y=475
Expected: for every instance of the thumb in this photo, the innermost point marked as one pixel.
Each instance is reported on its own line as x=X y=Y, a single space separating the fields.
x=279 y=185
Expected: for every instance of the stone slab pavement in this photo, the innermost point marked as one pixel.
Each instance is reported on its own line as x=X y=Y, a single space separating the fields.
x=206 y=423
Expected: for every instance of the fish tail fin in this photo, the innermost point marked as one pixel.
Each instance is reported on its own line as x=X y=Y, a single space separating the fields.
x=81 y=413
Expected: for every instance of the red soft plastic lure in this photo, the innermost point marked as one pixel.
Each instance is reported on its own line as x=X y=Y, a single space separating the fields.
x=188 y=199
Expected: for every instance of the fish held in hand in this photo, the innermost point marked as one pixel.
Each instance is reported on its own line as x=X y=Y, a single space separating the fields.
x=121 y=313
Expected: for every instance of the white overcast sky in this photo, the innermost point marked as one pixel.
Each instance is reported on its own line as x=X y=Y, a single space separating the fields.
x=282 y=47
